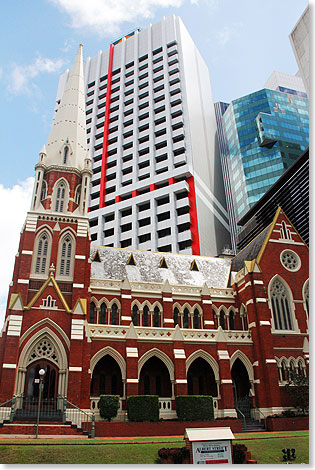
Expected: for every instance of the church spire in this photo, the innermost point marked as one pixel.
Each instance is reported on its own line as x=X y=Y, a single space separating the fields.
x=66 y=144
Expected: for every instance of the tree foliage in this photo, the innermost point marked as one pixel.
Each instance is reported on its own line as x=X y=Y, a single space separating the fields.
x=298 y=388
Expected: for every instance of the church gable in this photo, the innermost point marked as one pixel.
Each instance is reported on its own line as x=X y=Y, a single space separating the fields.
x=49 y=297
x=283 y=237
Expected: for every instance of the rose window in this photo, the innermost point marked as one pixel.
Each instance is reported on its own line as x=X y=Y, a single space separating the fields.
x=290 y=260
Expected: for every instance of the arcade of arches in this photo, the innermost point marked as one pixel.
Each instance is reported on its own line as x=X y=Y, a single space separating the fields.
x=154 y=379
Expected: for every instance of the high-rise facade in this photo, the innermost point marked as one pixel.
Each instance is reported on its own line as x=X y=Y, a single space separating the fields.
x=300 y=38
x=265 y=133
x=157 y=181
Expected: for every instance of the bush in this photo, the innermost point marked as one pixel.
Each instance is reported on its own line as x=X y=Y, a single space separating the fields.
x=194 y=407
x=109 y=406
x=143 y=408
x=174 y=455
x=239 y=453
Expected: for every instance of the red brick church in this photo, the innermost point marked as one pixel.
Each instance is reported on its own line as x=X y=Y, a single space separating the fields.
x=121 y=321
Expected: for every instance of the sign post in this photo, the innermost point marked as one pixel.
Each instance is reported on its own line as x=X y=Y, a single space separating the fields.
x=210 y=445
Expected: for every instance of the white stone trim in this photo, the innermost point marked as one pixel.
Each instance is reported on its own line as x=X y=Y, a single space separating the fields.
x=208 y=322
x=23 y=281
x=226 y=381
x=9 y=366
x=265 y=322
x=126 y=296
x=79 y=257
x=78 y=286
x=207 y=301
x=257 y=281
x=271 y=361
x=168 y=320
x=248 y=283
x=126 y=318
x=252 y=325
x=27 y=252
x=179 y=353
x=223 y=354
x=261 y=299
x=132 y=352
x=77 y=322
x=75 y=369
x=73 y=336
x=181 y=381
x=256 y=364
x=250 y=301
x=289 y=242
x=256 y=381
x=132 y=381
x=167 y=299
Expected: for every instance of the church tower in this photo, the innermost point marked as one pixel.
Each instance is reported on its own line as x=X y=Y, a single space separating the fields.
x=44 y=325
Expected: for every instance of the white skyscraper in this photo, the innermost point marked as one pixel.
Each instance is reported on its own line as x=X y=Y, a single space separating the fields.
x=157 y=182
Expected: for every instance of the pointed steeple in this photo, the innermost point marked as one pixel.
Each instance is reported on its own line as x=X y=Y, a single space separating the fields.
x=66 y=144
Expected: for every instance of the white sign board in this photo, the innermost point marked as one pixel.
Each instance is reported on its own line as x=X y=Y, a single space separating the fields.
x=212 y=452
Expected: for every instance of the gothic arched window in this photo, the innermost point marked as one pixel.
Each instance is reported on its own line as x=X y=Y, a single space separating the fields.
x=66 y=256
x=196 y=319
x=232 y=321
x=134 y=315
x=42 y=254
x=145 y=318
x=186 y=318
x=114 y=314
x=215 y=322
x=283 y=371
x=280 y=305
x=103 y=314
x=65 y=154
x=156 y=317
x=43 y=193
x=175 y=316
x=77 y=197
x=222 y=319
x=92 y=312
x=306 y=296
x=60 y=197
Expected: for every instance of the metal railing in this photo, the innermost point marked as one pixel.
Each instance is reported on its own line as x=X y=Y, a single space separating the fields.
x=264 y=417
x=238 y=411
x=60 y=409
x=72 y=414
x=7 y=410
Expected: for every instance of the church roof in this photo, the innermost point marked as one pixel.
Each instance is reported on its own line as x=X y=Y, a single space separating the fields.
x=250 y=252
x=114 y=265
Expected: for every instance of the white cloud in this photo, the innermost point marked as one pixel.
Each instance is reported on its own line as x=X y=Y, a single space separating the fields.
x=227 y=33
x=21 y=75
x=105 y=16
x=14 y=203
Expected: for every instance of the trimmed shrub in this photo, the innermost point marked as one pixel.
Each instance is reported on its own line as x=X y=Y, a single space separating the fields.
x=194 y=407
x=109 y=406
x=143 y=408
x=174 y=455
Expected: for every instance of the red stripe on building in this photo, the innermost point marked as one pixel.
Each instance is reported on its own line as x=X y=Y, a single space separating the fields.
x=195 y=247
x=106 y=127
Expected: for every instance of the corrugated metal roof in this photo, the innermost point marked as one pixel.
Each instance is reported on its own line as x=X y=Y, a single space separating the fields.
x=113 y=265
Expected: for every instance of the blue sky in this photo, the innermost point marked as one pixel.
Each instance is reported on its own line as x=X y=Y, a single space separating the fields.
x=242 y=42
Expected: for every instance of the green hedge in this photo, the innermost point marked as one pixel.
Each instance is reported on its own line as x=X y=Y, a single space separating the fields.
x=143 y=408
x=109 y=406
x=194 y=407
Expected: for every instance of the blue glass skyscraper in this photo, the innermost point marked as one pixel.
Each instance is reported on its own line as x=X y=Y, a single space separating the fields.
x=262 y=134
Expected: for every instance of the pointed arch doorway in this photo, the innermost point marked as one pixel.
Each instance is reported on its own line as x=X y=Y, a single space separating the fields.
x=47 y=399
x=241 y=388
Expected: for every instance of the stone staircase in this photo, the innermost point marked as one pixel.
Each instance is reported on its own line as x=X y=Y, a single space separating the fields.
x=51 y=428
x=251 y=425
